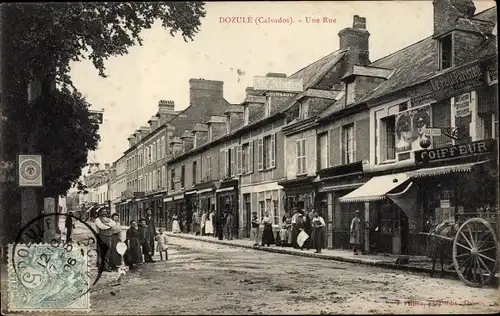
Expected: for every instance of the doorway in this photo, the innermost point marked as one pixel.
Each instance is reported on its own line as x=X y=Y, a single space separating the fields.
x=391 y=232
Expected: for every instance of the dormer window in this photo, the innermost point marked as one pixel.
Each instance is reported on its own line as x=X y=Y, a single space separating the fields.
x=267 y=106
x=228 y=126
x=304 y=111
x=445 y=52
x=246 y=114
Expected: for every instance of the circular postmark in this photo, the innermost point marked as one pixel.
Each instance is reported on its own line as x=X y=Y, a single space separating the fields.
x=30 y=170
x=51 y=271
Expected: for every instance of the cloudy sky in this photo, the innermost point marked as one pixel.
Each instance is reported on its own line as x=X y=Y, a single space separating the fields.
x=162 y=67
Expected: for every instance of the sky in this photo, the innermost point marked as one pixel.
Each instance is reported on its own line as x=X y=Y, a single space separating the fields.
x=162 y=67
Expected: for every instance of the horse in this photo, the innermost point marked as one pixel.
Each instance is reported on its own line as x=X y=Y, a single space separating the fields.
x=438 y=247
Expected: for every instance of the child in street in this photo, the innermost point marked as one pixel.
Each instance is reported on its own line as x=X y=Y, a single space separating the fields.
x=283 y=236
x=162 y=244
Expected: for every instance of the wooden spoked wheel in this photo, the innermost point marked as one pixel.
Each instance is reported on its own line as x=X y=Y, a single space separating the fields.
x=474 y=252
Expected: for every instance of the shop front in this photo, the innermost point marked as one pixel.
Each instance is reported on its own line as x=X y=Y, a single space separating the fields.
x=227 y=201
x=299 y=193
x=191 y=200
x=157 y=211
x=175 y=205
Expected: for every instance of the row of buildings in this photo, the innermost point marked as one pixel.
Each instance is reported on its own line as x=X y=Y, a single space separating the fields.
x=404 y=139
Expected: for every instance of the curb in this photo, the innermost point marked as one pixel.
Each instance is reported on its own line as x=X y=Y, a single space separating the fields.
x=386 y=265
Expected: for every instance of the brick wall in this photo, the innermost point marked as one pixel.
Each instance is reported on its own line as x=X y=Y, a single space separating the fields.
x=464 y=44
x=203 y=91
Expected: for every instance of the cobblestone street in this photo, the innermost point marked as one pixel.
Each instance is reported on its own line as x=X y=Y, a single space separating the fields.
x=202 y=278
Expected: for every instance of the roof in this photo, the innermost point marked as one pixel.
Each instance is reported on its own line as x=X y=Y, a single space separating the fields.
x=322 y=94
x=368 y=71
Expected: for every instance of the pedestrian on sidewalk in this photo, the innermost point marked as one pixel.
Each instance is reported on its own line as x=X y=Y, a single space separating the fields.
x=176 y=228
x=295 y=230
x=267 y=233
x=308 y=244
x=69 y=227
x=219 y=224
x=150 y=223
x=115 y=258
x=209 y=225
x=104 y=224
x=318 y=224
x=203 y=223
x=229 y=225
x=356 y=233
x=133 y=255
x=255 y=229
x=144 y=239
x=283 y=236
x=162 y=245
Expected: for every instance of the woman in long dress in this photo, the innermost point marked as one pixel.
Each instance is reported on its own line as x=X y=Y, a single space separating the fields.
x=267 y=234
x=176 y=228
x=115 y=258
x=203 y=223
x=209 y=227
x=133 y=253
x=318 y=225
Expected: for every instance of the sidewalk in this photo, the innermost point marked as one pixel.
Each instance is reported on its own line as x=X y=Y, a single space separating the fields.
x=420 y=264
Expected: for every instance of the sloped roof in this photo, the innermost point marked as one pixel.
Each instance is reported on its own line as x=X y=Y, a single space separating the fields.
x=487 y=15
x=489 y=48
x=322 y=94
x=368 y=71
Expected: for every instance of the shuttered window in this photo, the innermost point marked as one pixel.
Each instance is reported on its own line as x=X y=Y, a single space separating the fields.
x=239 y=160
x=272 y=154
x=301 y=156
x=261 y=154
x=250 y=157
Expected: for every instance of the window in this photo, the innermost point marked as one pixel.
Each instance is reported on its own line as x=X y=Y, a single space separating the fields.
x=209 y=168
x=267 y=152
x=262 y=209
x=445 y=52
x=158 y=177
x=275 y=212
x=163 y=177
x=301 y=156
x=246 y=114
x=304 y=111
x=151 y=180
x=155 y=181
x=247 y=204
x=348 y=144
x=323 y=151
x=228 y=162
x=244 y=158
x=195 y=172
x=388 y=138
x=172 y=176
x=239 y=160
x=183 y=173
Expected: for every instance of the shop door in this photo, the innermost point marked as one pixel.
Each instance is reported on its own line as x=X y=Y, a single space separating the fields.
x=247 y=208
x=391 y=233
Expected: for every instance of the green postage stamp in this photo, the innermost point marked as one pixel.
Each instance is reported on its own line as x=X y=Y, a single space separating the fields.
x=51 y=277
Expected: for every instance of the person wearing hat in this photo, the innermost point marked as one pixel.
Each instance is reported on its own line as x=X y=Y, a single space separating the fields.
x=104 y=226
x=356 y=233
x=151 y=228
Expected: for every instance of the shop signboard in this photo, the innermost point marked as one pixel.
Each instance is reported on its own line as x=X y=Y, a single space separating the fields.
x=411 y=127
x=463 y=150
x=458 y=81
x=278 y=84
x=255 y=99
x=420 y=95
x=462 y=105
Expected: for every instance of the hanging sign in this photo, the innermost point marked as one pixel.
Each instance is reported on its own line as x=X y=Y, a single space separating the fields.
x=462 y=105
x=30 y=171
x=458 y=81
x=462 y=150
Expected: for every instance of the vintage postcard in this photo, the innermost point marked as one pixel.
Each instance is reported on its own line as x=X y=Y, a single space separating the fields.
x=243 y=158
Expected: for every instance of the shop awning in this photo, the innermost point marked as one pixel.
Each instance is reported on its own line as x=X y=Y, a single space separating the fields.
x=442 y=170
x=224 y=189
x=376 y=188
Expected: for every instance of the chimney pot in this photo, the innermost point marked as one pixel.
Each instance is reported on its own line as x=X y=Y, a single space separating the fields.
x=359 y=22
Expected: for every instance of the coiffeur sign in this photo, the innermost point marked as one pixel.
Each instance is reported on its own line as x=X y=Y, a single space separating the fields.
x=458 y=81
x=462 y=150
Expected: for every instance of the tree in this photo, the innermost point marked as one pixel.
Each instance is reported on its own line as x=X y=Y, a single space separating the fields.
x=54 y=34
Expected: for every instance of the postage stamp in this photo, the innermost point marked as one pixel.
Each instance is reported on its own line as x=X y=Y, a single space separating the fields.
x=51 y=277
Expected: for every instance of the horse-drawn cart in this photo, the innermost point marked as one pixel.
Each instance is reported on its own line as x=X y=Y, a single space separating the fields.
x=474 y=249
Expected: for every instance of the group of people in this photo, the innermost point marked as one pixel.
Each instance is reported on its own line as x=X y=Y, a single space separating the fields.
x=140 y=241
x=310 y=224
x=209 y=224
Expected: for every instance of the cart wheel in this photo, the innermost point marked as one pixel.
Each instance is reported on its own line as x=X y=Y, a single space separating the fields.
x=474 y=252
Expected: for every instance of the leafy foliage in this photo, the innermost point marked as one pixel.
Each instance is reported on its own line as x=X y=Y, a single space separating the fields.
x=54 y=34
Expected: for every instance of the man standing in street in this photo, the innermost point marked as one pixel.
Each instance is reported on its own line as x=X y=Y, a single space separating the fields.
x=229 y=225
x=69 y=226
x=255 y=229
x=356 y=233
x=151 y=234
x=104 y=224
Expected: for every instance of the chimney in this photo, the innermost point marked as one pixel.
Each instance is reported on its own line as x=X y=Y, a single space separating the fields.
x=253 y=105
x=153 y=124
x=106 y=166
x=131 y=141
x=446 y=13
x=187 y=141
x=144 y=131
x=203 y=92
x=176 y=144
x=216 y=127
x=355 y=40
x=166 y=111
x=234 y=117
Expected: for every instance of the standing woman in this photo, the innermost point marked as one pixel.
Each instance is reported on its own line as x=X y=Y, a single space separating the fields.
x=203 y=223
x=134 y=253
x=267 y=234
x=115 y=257
x=176 y=228
x=318 y=224
x=308 y=229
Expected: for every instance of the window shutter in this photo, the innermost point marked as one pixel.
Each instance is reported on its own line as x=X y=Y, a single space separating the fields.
x=261 y=154
x=298 y=150
x=250 y=157
x=233 y=161
x=328 y=149
x=240 y=160
x=303 y=147
x=226 y=162
x=273 y=150
x=335 y=153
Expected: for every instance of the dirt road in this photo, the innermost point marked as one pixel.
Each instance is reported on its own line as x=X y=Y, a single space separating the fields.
x=202 y=278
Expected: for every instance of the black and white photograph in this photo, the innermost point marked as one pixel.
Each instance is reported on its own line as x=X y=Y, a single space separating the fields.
x=249 y=158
